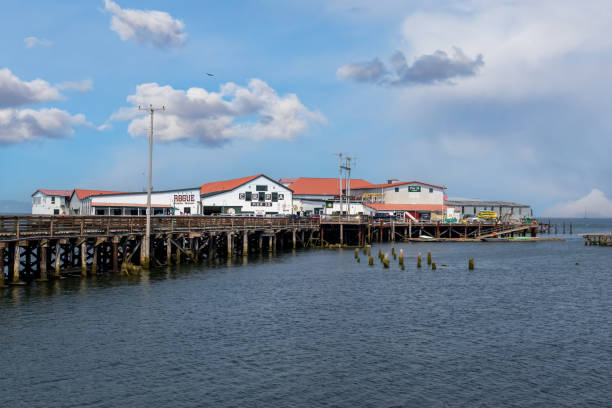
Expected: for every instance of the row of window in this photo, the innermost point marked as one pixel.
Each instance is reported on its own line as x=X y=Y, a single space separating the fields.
x=260 y=196
x=397 y=189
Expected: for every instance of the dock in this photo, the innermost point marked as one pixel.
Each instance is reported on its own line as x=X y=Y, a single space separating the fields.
x=52 y=247
x=598 y=239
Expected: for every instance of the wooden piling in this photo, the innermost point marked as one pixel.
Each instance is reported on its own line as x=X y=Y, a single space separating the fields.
x=56 y=272
x=83 y=258
x=471 y=264
x=433 y=266
x=245 y=242
x=294 y=238
x=428 y=257
x=16 y=265
x=115 y=254
x=2 y=246
x=94 y=260
x=419 y=260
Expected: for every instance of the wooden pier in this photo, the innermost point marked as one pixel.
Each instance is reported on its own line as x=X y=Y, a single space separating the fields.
x=598 y=239
x=359 y=230
x=50 y=247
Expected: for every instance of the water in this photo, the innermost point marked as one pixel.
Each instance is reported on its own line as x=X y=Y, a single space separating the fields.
x=530 y=327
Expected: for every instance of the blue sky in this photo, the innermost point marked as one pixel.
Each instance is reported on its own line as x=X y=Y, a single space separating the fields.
x=502 y=101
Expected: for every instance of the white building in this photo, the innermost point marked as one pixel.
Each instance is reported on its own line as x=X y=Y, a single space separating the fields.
x=50 y=202
x=504 y=209
x=253 y=195
x=313 y=196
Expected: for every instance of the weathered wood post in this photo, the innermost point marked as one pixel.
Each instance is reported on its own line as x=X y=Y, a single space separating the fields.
x=471 y=264
x=245 y=242
x=274 y=242
x=42 y=260
x=322 y=237
x=260 y=242
x=270 y=243
x=419 y=260
x=2 y=246
x=84 y=258
x=16 y=264
x=392 y=231
x=144 y=252
x=410 y=228
x=94 y=260
x=294 y=238
x=428 y=257
x=341 y=233
x=115 y=254
x=570 y=227
x=56 y=272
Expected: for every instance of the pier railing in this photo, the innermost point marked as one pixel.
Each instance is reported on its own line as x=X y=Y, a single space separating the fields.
x=24 y=227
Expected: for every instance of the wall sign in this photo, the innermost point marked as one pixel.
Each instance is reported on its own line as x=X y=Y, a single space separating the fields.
x=184 y=198
x=241 y=196
x=414 y=189
x=261 y=204
x=281 y=196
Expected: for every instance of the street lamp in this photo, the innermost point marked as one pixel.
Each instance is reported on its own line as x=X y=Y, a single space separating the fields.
x=146 y=242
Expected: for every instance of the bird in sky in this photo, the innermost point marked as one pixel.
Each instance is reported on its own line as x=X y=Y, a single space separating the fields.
x=209 y=74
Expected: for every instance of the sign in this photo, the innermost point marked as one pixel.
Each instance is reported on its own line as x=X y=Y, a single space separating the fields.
x=184 y=198
x=261 y=204
x=281 y=196
x=414 y=189
x=241 y=196
x=268 y=196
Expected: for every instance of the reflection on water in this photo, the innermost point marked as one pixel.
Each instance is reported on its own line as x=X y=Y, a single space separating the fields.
x=530 y=326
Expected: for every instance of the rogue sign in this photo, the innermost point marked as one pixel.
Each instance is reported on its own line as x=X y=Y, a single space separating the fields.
x=184 y=198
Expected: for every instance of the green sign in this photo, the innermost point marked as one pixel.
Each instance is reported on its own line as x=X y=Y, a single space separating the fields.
x=414 y=189
x=329 y=204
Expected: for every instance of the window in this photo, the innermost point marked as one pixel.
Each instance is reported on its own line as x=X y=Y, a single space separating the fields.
x=261 y=188
x=76 y=211
x=262 y=196
x=397 y=189
x=56 y=212
x=274 y=197
x=158 y=211
x=431 y=190
x=99 y=211
x=36 y=200
x=187 y=210
x=248 y=196
x=52 y=199
x=117 y=211
x=134 y=211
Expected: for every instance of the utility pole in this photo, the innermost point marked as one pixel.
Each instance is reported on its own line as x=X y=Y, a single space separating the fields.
x=340 y=180
x=146 y=242
x=347 y=166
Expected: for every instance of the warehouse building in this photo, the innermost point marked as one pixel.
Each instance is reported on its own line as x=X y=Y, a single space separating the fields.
x=50 y=202
x=504 y=209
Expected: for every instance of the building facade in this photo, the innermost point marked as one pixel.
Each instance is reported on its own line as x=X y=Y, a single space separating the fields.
x=504 y=209
x=50 y=202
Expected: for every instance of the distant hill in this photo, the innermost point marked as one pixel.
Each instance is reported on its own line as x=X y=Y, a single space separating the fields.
x=15 y=207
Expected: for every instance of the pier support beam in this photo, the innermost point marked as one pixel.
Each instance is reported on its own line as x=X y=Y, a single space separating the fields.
x=230 y=249
x=56 y=271
x=245 y=243
x=84 y=258
x=42 y=261
x=270 y=243
x=341 y=234
x=294 y=238
x=94 y=261
x=392 y=231
x=260 y=242
x=16 y=265
x=115 y=254
x=168 y=250
x=2 y=246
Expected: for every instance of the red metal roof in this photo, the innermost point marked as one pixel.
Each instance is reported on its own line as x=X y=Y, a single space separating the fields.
x=324 y=186
x=130 y=205
x=226 y=185
x=287 y=180
x=403 y=183
x=407 y=207
x=87 y=193
x=62 y=193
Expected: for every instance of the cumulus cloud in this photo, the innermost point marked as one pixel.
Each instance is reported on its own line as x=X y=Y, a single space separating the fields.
x=426 y=69
x=15 y=92
x=81 y=85
x=156 y=28
x=33 y=42
x=28 y=124
x=213 y=118
x=594 y=204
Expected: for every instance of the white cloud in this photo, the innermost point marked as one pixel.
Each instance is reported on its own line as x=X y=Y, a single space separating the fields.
x=594 y=204
x=153 y=27
x=32 y=42
x=213 y=118
x=81 y=85
x=15 y=92
x=27 y=124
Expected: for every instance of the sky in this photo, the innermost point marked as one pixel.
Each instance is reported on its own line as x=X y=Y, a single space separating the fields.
x=496 y=100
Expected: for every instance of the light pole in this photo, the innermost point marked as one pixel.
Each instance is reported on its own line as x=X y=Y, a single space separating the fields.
x=146 y=242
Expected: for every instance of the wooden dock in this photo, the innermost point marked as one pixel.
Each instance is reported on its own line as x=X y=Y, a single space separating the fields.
x=598 y=239
x=46 y=247
x=50 y=247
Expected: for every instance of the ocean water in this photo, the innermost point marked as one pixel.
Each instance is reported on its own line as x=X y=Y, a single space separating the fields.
x=531 y=326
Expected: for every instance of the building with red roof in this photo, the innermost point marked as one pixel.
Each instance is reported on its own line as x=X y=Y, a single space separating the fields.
x=50 y=202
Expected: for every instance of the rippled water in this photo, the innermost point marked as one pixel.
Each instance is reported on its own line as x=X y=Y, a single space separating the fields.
x=530 y=327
